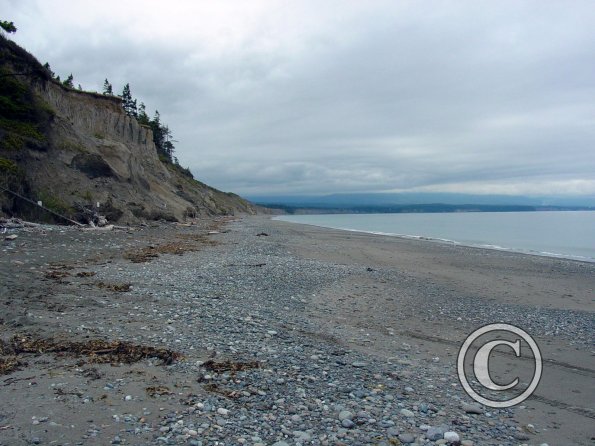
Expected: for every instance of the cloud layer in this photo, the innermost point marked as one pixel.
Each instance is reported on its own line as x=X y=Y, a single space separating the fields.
x=270 y=97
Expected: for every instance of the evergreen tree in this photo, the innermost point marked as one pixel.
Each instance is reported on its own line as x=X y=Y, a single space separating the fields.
x=133 y=109
x=128 y=103
x=58 y=78
x=68 y=82
x=47 y=67
x=143 y=118
x=8 y=26
x=107 y=88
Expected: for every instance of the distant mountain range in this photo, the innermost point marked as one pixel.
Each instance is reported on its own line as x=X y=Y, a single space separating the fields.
x=420 y=202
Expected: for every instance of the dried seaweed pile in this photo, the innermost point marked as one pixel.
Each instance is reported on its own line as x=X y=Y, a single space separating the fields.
x=185 y=243
x=95 y=351
x=117 y=287
x=230 y=366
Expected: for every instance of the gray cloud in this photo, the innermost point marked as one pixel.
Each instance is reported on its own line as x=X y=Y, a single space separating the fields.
x=268 y=98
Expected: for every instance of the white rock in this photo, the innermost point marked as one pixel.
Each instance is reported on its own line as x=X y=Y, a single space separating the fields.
x=451 y=437
x=407 y=413
x=222 y=411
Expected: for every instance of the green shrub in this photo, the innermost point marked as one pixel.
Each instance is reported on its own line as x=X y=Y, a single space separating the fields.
x=55 y=204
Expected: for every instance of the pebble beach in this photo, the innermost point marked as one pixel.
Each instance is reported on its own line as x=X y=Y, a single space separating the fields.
x=251 y=331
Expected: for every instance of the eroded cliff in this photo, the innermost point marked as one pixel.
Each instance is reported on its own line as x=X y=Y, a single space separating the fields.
x=72 y=149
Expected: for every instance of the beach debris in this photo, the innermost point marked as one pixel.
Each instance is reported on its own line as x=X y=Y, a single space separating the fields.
x=187 y=243
x=228 y=393
x=86 y=274
x=96 y=351
x=9 y=364
x=118 y=287
x=262 y=234
x=230 y=366
x=153 y=391
x=56 y=275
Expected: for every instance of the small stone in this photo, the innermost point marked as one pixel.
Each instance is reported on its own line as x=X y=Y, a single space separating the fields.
x=347 y=423
x=222 y=411
x=435 y=433
x=407 y=413
x=451 y=437
x=472 y=408
x=358 y=364
x=116 y=440
x=467 y=443
x=11 y=237
x=280 y=443
x=128 y=397
x=406 y=438
x=345 y=415
x=302 y=436
x=36 y=440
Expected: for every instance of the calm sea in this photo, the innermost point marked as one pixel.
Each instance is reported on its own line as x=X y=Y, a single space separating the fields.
x=569 y=234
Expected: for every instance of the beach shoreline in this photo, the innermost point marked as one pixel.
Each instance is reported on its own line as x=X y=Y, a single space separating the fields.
x=320 y=325
x=449 y=240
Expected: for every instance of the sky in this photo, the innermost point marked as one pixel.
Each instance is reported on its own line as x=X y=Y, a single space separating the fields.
x=310 y=97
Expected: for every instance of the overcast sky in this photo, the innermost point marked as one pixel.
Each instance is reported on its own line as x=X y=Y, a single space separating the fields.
x=275 y=97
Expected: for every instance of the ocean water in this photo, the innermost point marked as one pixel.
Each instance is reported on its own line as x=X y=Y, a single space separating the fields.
x=568 y=234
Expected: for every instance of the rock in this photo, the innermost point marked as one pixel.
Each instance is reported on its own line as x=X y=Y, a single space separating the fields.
x=280 y=443
x=472 y=408
x=347 y=423
x=345 y=415
x=451 y=437
x=302 y=436
x=358 y=364
x=521 y=436
x=222 y=411
x=11 y=237
x=467 y=443
x=407 y=413
x=407 y=438
x=435 y=433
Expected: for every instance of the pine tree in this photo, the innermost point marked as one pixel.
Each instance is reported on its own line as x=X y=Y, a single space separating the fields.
x=68 y=82
x=47 y=67
x=128 y=103
x=107 y=88
x=133 y=109
x=143 y=118
x=8 y=26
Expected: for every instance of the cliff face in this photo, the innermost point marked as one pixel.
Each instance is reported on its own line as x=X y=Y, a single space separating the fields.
x=73 y=149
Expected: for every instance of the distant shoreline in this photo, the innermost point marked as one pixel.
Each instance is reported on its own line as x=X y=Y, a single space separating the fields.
x=437 y=208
